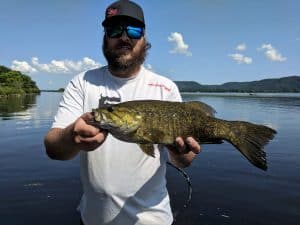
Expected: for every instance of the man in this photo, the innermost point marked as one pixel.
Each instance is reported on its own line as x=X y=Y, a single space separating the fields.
x=121 y=184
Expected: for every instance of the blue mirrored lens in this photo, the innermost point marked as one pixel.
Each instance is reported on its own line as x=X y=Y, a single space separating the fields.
x=117 y=31
x=134 y=32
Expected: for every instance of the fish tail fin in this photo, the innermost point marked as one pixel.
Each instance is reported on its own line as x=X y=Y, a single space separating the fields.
x=250 y=140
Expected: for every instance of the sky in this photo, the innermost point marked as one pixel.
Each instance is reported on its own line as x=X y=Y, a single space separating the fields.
x=208 y=41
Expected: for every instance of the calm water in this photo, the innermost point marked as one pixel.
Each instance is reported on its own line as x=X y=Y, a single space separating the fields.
x=226 y=188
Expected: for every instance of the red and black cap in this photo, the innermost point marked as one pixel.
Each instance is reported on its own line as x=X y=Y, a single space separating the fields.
x=124 y=9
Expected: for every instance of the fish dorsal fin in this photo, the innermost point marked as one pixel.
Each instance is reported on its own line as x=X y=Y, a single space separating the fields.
x=148 y=149
x=207 y=109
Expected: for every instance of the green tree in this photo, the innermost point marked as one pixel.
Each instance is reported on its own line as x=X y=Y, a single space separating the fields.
x=14 y=82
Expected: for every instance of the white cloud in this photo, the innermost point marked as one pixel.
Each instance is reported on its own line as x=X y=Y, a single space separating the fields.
x=40 y=67
x=55 y=66
x=241 y=47
x=272 y=53
x=22 y=66
x=180 y=47
x=240 y=58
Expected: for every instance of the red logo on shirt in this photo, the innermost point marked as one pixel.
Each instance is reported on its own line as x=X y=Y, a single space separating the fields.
x=160 y=85
x=111 y=12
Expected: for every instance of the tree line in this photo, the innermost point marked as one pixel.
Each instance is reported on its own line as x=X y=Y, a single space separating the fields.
x=14 y=82
x=283 y=84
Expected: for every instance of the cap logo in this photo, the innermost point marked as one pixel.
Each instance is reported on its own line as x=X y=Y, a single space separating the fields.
x=111 y=12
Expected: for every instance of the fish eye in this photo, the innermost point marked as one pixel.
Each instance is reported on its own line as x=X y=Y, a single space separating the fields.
x=110 y=109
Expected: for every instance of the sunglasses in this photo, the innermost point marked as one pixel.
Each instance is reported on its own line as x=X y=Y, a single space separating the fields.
x=131 y=31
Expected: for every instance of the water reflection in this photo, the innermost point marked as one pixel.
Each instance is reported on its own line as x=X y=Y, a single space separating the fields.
x=270 y=100
x=222 y=180
x=16 y=105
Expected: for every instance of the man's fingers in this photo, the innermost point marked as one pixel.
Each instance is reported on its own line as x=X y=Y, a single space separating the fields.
x=83 y=129
x=179 y=142
x=193 y=145
x=87 y=132
x=181 y=147
x=87 y=137
x=90 y=143
x=87 y=116
x=98 y=138
x=190 y=144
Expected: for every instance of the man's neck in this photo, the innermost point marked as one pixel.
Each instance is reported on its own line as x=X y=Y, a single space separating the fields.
x=125 y=73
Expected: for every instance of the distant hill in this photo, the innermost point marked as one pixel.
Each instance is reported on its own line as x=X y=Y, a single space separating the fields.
x=14 y=82
x=189 y=86
x=58 y=90
x=284 y=84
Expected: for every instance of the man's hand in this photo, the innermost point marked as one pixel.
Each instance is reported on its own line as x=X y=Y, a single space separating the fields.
x=87 y=137
x=64 y=144
x=183 y=153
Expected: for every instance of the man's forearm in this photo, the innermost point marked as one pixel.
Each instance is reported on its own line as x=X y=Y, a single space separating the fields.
x=60 y=143
x=63 y=144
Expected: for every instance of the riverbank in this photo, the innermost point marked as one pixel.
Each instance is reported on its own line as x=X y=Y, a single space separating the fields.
x=14 y=82
x=239 y=94
x=18 y=95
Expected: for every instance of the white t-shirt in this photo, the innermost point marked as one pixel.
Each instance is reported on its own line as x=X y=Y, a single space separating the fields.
x=121 y=184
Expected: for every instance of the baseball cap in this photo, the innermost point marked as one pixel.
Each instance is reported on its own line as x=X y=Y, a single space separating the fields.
x=124 y=8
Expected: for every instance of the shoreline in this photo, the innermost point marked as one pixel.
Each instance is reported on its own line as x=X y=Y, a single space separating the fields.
x=252 y=94
x=214 y=94
x=19 y=95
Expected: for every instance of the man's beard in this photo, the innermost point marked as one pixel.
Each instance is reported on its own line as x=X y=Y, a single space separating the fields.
x=116 y=57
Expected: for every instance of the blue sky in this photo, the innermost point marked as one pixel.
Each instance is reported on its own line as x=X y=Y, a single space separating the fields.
x=208 y=41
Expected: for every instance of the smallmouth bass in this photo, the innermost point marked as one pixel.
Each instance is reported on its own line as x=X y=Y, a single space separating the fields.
x=148 y=122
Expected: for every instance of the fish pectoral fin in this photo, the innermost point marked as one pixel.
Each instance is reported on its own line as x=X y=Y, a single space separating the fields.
x=148 y=149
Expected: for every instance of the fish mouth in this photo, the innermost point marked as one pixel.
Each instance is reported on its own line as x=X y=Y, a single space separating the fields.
x=93 y=123
x=101 y=124
x=97 y=119
x=101 y=121
x=99 y=116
